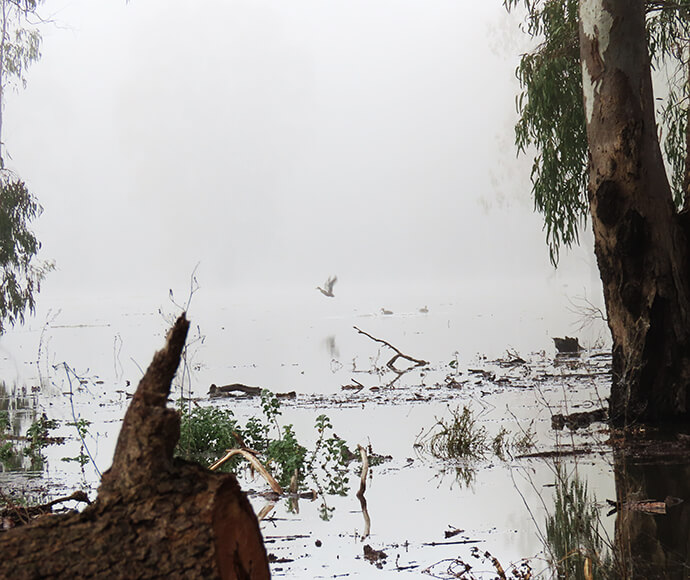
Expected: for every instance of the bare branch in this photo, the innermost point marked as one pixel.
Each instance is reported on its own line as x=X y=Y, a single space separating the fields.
x=398 y=354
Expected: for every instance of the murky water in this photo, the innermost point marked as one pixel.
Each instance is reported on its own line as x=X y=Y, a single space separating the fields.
x=310 y=345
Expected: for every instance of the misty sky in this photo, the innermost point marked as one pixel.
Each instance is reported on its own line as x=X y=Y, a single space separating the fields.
x=276 y=142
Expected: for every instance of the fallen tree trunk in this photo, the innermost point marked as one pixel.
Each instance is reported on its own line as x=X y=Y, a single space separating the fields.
x=155 y=516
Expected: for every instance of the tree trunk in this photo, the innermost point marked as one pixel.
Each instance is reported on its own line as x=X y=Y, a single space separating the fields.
x=155 y=516
x=640 y=239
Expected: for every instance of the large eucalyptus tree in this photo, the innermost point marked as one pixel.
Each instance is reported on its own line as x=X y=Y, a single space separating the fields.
x=588 y=109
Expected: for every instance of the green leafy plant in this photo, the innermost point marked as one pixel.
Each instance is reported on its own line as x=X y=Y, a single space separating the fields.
x=10 y=457
x=82 y=427
x=207 y=433
x=20 y=273
x=286 y=456
x=4 y=421
x=331 y=454
x=38 y=435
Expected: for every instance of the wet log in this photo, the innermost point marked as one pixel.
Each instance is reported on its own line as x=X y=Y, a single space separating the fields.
x=155 y=516
x=579 y=420
x=229 y=390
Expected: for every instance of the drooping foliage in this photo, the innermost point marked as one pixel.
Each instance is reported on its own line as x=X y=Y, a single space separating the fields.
x=552 y=119
x=668 y=26
x=21 y=49
x=20 y=277
x=551 y=113
x=20 y=271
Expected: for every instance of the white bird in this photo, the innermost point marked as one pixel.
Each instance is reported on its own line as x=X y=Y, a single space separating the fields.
x=328 y=291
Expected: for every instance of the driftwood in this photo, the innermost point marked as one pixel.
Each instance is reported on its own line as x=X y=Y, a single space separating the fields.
x=155 y=516
x=227 y=390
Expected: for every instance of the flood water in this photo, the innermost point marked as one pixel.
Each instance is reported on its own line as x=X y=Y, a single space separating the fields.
x=487 y=350
x=81 y=360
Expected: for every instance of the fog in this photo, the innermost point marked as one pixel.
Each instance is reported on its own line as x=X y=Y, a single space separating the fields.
x=275 y=143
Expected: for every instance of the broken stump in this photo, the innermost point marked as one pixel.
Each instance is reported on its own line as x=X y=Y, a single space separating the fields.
x=155 y=516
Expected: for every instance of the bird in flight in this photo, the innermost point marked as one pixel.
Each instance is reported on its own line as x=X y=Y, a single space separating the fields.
x=328 y=290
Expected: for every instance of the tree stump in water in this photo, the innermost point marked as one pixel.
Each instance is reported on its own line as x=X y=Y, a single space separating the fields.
x=155 y=516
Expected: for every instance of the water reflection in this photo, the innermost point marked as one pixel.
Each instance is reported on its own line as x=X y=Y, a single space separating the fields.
x=577 y=546
x=652 y=525
x=17 y=413
x=653 y=543
x=332 y=347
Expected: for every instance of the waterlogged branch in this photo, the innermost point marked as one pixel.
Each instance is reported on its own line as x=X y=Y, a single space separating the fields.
x=365 y=471
x=275 y=486
x=362 y=489
x=398 y=354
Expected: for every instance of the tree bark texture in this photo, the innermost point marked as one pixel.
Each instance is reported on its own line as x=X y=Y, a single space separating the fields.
x=155 y=516
x=640 y=239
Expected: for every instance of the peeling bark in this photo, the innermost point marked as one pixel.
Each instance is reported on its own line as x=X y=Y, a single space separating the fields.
x=155 y=516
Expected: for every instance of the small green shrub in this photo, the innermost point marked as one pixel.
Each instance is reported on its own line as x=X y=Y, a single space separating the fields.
x=38 y=435
x=329 y=458
x=207 y=433
x=10 y=457
x=4 y=421
x=286 y=456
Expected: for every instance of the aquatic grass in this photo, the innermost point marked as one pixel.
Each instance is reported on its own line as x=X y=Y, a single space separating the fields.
x=458 y=438
x=461 y=438
x=574 y=539
x=500 y=444
x=525 y=441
